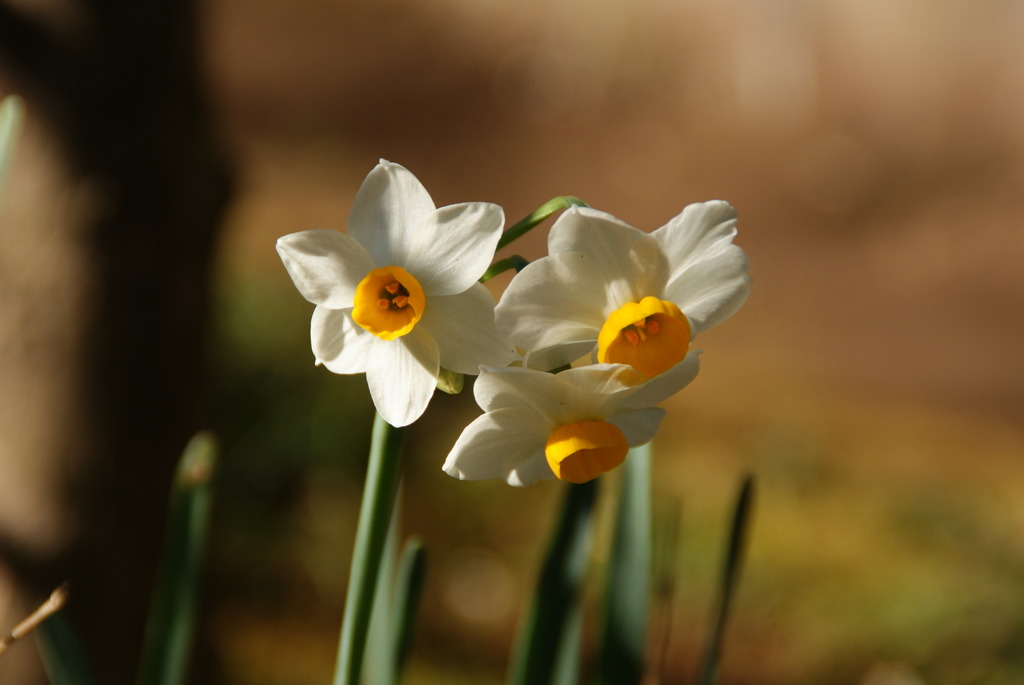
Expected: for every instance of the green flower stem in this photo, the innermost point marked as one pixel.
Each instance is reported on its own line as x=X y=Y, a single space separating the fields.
x=379 y=654
x=514 y=262
x=543 y=212
x=371 y=533
x=549 y=628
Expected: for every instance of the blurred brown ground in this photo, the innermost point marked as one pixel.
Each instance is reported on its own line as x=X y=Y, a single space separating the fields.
x=873 y=382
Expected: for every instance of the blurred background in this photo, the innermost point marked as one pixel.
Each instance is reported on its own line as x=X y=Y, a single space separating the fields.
x=873 y=382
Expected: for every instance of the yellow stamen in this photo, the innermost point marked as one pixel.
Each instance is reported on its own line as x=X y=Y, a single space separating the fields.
x=389 y=302
x=578 y=452
x=651 y=335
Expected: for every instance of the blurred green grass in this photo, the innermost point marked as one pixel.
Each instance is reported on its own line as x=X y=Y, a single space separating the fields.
x=884 y=533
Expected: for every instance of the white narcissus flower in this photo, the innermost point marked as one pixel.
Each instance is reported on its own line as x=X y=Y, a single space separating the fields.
x=628 y=296
x=398 y=297
x=575 y=425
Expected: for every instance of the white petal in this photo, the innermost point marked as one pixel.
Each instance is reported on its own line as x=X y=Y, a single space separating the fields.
x=585 y=393
x=577 y=228
x=402 y=375
x=708 y=278
x=711 y=291
x=505 y=443
x=638 y=425
x=603 y=379
x=556 y=399
x=513 y=387
x=529 y=472
x=559 y=355
x=554 y=301
x=595 y=391
x=573 y=395
x=650 y=269
x=700 y=231
x=339 y=343
x=387 y=212
x=664 y=385
x=453 y=246
x=326 y=266
x=463 y=326
x=607 y=245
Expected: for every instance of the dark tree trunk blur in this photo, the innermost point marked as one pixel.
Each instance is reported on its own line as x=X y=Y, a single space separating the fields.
x=119 y=86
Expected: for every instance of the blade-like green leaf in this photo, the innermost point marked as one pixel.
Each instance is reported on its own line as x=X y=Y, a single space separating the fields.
x=558 y=587
x=62 y=656
x=11 y=113
x=172 y=615
x=664 y=576
x=371 y=534
x=623 y=636
x=399 y=587
x=567 y=658
x=412 y=570
x=729 y=580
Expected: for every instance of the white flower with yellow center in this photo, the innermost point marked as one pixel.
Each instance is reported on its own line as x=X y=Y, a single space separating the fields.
x=574 y=425
x=397 y=297
x=627 y=296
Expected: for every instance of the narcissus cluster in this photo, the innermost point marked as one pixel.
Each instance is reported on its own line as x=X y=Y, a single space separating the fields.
x=398 y=298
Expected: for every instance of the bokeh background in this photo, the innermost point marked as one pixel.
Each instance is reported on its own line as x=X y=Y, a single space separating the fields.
x=873 y=383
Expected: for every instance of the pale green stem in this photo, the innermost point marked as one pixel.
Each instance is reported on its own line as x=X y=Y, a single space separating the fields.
x=371 y=533
x=543 y=212
x=514 y=262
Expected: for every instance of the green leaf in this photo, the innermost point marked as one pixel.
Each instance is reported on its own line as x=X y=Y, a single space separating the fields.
x=62 y=655
x=567 y=660
x=729 y=581
x=399 y=587
x=412 y=570
x=371 y=533
x=526 y=224
x=11 y=113
x=543 y=641
x=664 y=577
x=623 y=636
x=172 y=615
